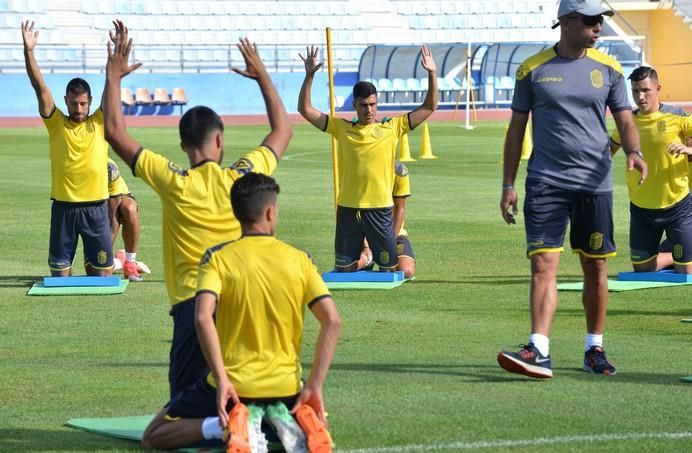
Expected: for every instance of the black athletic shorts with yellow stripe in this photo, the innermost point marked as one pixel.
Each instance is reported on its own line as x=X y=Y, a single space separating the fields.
x=353 y=225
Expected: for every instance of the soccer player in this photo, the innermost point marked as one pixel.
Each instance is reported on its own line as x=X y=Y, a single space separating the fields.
x=122 y=210
x=196 y=213
x=365 y=157
x=79 y=184
x=662 y=202
x=251 y=299
x=566 y=89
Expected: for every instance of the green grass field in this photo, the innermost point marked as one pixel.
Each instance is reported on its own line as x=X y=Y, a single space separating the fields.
x=415 y=369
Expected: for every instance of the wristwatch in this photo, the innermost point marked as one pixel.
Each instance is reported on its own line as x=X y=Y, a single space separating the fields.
x=638 y=152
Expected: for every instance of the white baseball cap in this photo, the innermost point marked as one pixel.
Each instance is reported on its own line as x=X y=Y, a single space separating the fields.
x=583 y=7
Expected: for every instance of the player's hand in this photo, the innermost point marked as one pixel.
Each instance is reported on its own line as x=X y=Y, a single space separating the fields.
x=313 y=398
x=224 y=392
x=508 y=205
x=29 y=35
x=119 y=48
x=634 y=161
x=677 y=149
x=428 y=62
x=254 y=67
x=310 y=60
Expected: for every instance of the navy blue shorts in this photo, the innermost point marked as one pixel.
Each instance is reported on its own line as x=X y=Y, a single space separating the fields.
x=69 y=221
x=199 y=401
x=404 y=247
x=548 y=210
x=187 y=363
x=647 y=227
x=354 y=225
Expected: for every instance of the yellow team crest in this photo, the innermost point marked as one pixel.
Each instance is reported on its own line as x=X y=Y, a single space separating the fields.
x=677 y=251
x=661 y=125
x=596 y=241
x=377 y=132
x=102 y=257
x=384 y=256
x=597 y=78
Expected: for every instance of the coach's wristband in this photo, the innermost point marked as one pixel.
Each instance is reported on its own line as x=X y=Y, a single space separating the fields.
x=507 y=187
x=637 y=152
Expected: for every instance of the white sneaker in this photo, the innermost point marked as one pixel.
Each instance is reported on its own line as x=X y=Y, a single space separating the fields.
x=258 y=441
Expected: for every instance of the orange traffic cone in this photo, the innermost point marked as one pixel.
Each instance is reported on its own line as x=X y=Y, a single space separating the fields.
x=404 y=150
x=425 y=147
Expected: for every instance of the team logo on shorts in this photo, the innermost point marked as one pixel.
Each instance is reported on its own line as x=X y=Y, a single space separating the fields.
x=661 y=125
x=596 y=241
x=677 y=251
x=597 y=78
x=384 y=256
x=102 y=257
x=400 y=248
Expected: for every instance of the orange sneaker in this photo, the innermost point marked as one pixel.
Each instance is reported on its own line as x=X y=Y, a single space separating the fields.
x=319 y=440
x=130 y=271
x=238 y=437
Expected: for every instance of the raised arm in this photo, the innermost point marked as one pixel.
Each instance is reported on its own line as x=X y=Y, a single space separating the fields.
x=330 y=329
x=118 y=66
x=512 y=155
x=429 y=105
x=281 y=131
x=46 y=104
x=630 y=142
x=305 y=108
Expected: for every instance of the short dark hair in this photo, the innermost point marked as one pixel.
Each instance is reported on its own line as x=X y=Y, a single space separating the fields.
x=363 y=89
x=78 y=86
x=250 y=195
x=642 y=72
x=196 y=125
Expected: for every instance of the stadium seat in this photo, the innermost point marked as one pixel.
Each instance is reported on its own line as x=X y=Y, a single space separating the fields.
x=161 y=97
x=143 y=97
x=127 y=99
x=179 y=98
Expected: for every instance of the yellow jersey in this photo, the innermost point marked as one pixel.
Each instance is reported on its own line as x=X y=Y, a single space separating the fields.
x=78 y=158
x=262 y=286
x=668 y=181
x=402 y=188
x=196 y=210
x=365 y=158
x=116 y=183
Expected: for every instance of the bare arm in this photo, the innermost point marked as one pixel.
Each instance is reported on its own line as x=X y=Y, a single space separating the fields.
x=429 y=105
x=305 y=108
x=630 y=142
x=399 y=213
x=205 y=304
x=281 y=131
x=330 y=329
x=114 y=122
x=512 y=155
x=46 y=104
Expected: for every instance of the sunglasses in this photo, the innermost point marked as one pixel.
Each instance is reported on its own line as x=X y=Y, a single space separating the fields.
x=589 y=21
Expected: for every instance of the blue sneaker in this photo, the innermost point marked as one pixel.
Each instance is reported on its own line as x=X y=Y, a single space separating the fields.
x=528 y=361
x=595 y=361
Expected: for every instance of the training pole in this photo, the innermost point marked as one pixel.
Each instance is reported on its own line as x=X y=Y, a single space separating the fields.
x=332 y=113
x=469 y=87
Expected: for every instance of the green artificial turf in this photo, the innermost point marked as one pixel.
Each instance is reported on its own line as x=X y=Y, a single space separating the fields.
x=416 y=366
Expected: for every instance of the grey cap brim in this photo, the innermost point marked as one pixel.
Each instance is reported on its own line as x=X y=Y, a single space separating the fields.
x=588 y=11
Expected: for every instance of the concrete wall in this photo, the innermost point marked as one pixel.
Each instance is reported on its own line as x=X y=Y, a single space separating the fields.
x=226 y=93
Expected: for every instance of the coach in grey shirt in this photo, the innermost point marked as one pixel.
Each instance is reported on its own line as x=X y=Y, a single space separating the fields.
x=567 y=89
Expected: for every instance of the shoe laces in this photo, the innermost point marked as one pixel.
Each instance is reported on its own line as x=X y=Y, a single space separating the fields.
x=528 y=352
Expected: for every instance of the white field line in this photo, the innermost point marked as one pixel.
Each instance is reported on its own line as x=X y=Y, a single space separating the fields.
x=523 y=442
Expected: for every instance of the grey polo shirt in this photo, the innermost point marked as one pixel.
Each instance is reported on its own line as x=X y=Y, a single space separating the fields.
x=567 y=100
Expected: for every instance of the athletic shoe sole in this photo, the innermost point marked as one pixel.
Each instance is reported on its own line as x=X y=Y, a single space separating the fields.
x=516 y=366
x=318 y=438
x=588 y=369
x=239 y=441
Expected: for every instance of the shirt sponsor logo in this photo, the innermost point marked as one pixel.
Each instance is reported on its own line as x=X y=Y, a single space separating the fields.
x=597 y=78
x=549 y=80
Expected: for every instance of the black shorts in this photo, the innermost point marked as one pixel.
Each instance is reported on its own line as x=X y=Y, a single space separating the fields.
x=354 y=225
x=187 y=362
x=68 y=222
x=404 y=247
x=548 y=210
x=199 y=401
x=647 y=227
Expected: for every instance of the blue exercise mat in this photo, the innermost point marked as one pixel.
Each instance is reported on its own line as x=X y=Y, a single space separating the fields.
x=362 y=276
x=660 y=276
x=82 y=280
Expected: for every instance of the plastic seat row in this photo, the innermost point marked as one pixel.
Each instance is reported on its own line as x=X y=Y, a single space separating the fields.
x=200 y=7
x=143 y=97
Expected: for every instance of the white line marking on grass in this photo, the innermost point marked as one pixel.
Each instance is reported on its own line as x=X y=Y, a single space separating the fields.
x=523 y=442
x=292 y=156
